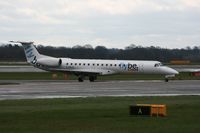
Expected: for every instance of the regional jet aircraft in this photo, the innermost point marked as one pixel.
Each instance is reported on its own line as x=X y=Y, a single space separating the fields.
x=91 y=67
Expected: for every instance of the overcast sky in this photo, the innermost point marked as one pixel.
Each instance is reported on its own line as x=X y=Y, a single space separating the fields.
x=111 y=23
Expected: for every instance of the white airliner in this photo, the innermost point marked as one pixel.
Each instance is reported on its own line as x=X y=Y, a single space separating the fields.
x=92 y=67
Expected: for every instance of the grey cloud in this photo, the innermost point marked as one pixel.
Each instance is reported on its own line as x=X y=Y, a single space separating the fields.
x=167 y=23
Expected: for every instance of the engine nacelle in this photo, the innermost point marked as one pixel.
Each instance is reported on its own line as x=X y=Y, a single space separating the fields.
x=51 y=62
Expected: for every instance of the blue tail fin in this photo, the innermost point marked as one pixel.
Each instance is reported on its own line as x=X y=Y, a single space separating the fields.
x=30 y=51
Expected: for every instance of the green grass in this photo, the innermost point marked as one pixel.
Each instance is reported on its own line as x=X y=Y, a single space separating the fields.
x=48 y=76
x=98 y=115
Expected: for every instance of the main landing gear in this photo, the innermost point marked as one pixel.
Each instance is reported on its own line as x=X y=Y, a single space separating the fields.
x=80 y=78
x=92 y=78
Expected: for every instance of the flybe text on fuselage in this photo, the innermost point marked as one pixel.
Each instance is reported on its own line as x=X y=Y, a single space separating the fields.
x=129 y=67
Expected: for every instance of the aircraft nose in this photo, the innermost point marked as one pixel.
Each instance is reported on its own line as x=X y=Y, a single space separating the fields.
x=174 y=71
x=170 y=71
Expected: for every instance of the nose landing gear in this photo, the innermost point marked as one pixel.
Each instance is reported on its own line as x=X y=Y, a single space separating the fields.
x=168 y=76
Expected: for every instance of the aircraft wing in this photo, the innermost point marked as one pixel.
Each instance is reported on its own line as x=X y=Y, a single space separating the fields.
x=86 y=71
x=188 y=70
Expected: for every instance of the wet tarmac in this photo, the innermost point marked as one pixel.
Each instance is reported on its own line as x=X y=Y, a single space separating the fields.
x=25 y=89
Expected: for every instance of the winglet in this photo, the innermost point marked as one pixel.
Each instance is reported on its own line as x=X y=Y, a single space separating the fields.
x=21 y=42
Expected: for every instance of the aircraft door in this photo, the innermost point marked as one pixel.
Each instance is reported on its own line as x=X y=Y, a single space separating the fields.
x=141 y=67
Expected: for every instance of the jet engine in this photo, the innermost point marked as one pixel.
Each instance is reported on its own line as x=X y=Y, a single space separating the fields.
x=51 y=62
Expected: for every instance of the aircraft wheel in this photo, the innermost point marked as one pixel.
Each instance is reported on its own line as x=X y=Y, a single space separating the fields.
x=80 y=79
x=166 y=80
x=91 y=78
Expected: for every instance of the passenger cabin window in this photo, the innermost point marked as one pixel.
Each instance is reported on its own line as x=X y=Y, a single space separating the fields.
x=67 y=64
x=88 y=64
x=79 y=64
x=84 y=64
x=101 y=64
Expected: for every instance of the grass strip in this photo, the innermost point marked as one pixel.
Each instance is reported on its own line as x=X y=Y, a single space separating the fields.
x=98 y=115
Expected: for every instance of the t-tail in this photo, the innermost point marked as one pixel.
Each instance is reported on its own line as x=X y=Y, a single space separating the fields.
x=38 y=60
x=32 y=55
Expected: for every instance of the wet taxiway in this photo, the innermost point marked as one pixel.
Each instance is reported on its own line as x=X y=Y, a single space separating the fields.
x=60 y=89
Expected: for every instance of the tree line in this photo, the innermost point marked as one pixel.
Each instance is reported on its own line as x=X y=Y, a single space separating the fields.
x=15 y=53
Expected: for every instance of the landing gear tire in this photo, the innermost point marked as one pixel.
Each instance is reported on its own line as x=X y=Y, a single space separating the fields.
x=80 y=79
x=166 y=80
x=92 y=78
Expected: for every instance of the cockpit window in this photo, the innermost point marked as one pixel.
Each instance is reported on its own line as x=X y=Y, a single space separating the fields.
x=158 y=65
